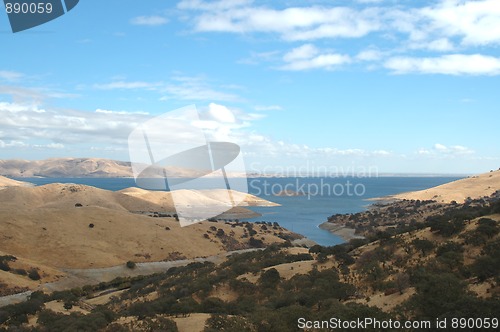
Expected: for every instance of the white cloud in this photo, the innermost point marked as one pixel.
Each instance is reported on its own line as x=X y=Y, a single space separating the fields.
x=127 y=85
x=56 y=146
x=461 y=149
x=187 y=88
x=453 y=64
x=154 y=20
x=119 y=112
x=305 y=51
x=441 y=44
x=258 y=57
x=382 y=153
x=440 y=150
x=212 y=5
x=33 y=95
x=308 y=57
x=475 y=22
x=194 y=89
x=262 y=108
x=221 y=113
x=440 y=147
x=10 y=76
x=438 y=45
x=30 y=126
x=12 y=144
x=369 y=55
x=294 y=23
x=26 y=123
x=442 y=26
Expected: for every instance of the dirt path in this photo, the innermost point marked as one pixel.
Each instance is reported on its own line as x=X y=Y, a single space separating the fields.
x=82 y=277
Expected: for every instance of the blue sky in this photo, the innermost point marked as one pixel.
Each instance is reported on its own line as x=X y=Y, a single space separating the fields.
x=397 y=86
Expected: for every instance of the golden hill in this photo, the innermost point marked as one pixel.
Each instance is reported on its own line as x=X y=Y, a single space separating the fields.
x=6 y=182
x=474 y=187
x=47 y=225
x=209 y=196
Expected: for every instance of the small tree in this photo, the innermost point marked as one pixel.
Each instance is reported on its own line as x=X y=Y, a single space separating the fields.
x=4 y=266
x=487 y=227
x=425 y=246
x=402 y=281
x=270 y=277
x=229 y=324
x=255 y=243
x=34 y=275
x=131 y=265
x=322 y=258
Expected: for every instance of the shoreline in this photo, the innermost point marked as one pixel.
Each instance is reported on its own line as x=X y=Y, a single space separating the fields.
x=346 y=233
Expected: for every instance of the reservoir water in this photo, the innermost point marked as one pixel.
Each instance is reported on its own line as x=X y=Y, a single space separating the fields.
x=320 y=197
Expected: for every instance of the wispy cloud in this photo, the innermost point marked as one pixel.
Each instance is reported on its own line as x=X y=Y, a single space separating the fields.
x=128 y=85
x=453 y=64
x=179 y=87
x=309 y=57
x=10 y=76
x=195 y=88
x=153 y=20
x=440 y=150
x=29 y=95
x=294 y=23
x=262 y=108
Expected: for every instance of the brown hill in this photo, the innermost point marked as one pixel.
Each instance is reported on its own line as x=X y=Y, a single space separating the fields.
x=207 y=197
x=474 y=187
x=6 y=182
x=47 y=225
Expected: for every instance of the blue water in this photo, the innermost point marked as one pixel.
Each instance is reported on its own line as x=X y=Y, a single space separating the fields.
x=301 y=214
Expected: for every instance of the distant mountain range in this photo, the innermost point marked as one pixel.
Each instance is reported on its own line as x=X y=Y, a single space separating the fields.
x=65 y=167
x=85 y=167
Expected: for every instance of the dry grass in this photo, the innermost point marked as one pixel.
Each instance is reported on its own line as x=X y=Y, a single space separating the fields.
x=387 y=302
x=104 y=299
x=6 y=182
x=12 y=280
x=193 y=323
x=474 y=187
x=43 y=224
x=58 y=307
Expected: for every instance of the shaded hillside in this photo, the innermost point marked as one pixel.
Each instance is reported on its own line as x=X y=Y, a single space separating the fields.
x=447 y=268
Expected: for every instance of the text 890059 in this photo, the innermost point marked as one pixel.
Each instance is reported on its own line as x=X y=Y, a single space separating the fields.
x=28 y=8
